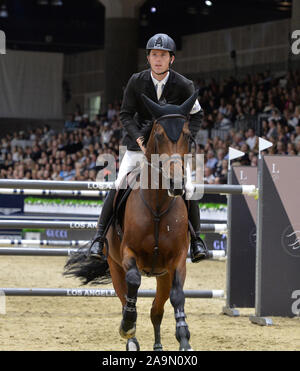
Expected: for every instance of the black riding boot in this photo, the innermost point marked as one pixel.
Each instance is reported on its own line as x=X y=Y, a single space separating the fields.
x=198 y=248
x=96 y=249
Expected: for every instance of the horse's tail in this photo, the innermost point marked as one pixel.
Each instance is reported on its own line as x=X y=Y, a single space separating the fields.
x=87 y=269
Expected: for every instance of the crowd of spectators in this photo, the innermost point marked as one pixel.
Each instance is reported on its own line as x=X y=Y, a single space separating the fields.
x=259 y=104
x=70 y=154
x=262 y=105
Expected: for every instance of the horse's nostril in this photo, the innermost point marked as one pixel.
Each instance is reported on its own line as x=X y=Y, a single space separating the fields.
x=175 y=192
x=172 y=186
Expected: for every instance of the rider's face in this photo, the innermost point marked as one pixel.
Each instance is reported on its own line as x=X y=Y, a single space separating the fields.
x=159 y=60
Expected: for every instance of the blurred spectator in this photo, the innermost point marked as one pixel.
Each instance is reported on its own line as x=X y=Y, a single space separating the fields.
x=36 y=152
x=222 y=176
x=251 y=138
x=222 y=108
x=219 y=165
x=71 y=123
x=85 y=121
x=111 y=112
x=222 y=122
x=272 y=132
x=294 y=118
x=297 y=135
x=209 y=177
x=211 y=160
x=106 y=134
x=275 y=115
x=280 y=148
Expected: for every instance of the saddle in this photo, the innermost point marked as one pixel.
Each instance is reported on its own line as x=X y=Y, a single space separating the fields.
x=121 y=197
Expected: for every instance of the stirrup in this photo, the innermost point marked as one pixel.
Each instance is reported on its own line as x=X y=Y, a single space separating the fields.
x=99 y=252
x=198 y=257
x=201 y=252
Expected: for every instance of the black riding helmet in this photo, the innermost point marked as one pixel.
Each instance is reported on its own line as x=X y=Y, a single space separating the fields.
x=161 y=41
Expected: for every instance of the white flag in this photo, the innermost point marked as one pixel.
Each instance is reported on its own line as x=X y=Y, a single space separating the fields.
x=233 y=154
x=263 y=144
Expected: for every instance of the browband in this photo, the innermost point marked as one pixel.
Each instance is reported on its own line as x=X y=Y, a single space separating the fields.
x=171 y=115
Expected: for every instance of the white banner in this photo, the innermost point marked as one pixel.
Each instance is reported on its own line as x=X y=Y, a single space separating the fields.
x=31 y=85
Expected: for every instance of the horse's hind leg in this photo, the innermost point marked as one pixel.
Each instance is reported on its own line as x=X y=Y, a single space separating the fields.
x=118 y=279
x=177 y=300
x=133 y=281
x=119 y=283
x=157 y=311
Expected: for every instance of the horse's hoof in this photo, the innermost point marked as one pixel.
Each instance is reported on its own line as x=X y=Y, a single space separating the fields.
x=127 y=334
x=186 y=350
x=132 y=345
x=184 y=345
x=158 y=347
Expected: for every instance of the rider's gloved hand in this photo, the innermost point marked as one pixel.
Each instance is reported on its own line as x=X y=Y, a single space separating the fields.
x=140 y=141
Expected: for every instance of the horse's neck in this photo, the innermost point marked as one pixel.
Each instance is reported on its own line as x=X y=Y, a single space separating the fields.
x=157 y=199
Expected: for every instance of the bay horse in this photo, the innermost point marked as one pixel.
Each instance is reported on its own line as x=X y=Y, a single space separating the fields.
x=155 y=237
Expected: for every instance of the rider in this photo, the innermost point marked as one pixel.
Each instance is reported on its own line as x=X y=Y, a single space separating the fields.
x=163 y=85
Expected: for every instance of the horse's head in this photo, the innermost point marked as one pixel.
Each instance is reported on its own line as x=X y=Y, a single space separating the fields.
x=169 y=138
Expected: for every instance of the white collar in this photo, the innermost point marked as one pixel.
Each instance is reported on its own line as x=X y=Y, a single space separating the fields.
x=163 y=81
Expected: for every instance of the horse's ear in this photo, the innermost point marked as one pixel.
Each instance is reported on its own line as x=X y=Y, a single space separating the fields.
x=187 y=106
x=155 y=109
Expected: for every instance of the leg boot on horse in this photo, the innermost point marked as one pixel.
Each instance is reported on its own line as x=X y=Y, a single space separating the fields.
x=133 y=280
x=198 y=248
x=120 y=285
x=97 y=245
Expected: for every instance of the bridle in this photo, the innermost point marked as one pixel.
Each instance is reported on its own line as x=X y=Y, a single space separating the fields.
x=157 y=214
x=162 y=162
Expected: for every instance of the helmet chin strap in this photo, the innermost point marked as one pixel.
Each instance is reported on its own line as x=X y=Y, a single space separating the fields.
x=162 y=73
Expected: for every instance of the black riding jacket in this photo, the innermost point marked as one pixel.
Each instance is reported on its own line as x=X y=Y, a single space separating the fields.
x=134 y=115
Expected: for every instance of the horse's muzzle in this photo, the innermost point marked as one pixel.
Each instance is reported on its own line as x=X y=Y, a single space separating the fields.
x=175 y=192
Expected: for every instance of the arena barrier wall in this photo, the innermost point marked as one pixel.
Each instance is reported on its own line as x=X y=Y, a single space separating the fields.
x=278 y=243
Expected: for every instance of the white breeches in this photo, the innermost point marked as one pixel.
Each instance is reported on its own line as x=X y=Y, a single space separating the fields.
x=128 y=163
x=131 y=160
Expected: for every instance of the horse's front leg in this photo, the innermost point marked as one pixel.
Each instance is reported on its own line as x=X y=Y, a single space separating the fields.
x=133 y=281
x=177 y=300
x=157 y=310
